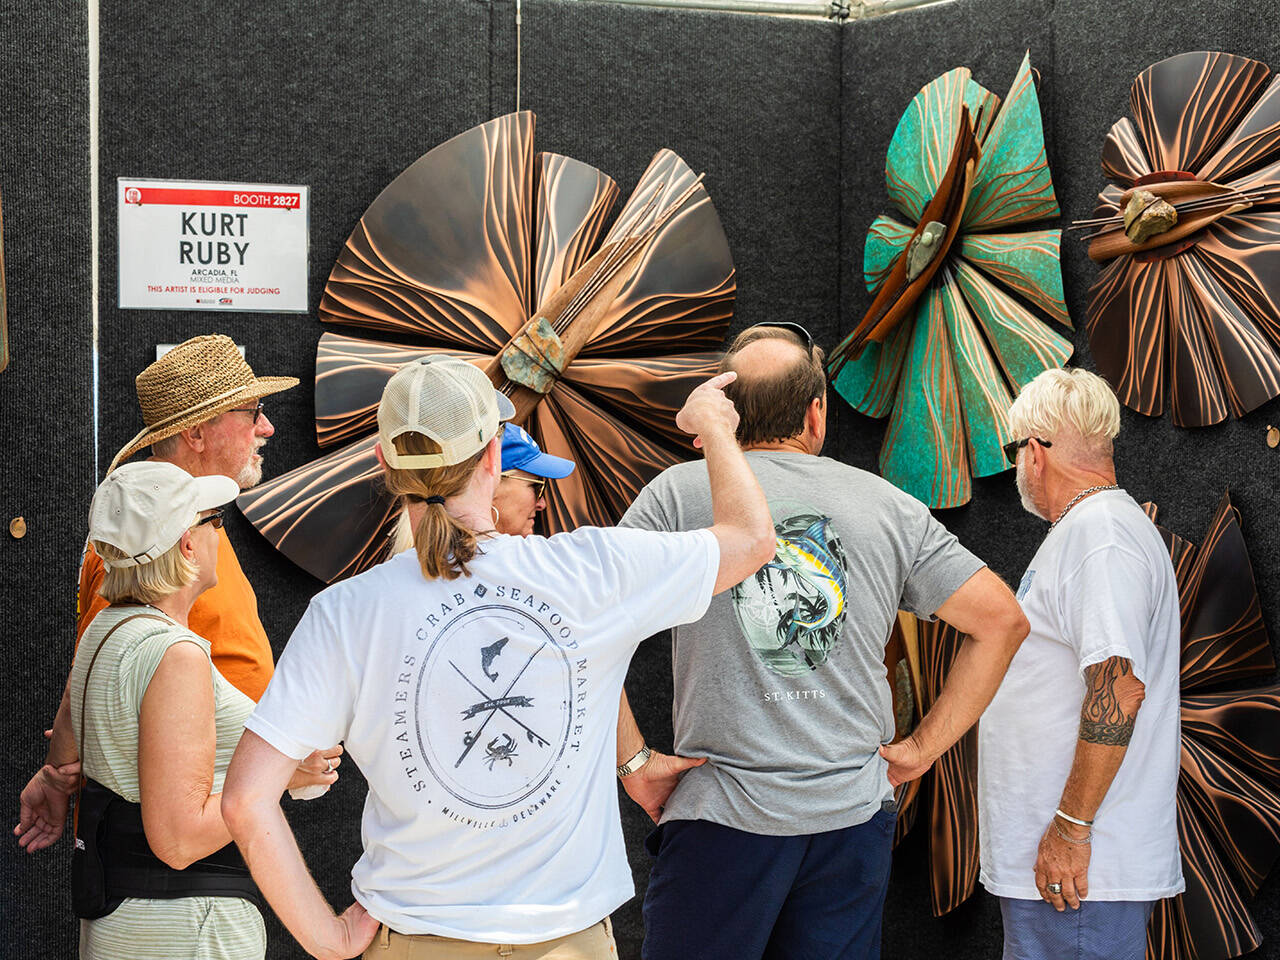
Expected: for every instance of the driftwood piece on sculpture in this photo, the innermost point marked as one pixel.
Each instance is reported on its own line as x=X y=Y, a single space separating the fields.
x=949 y=339
x=489 y=252
x=1229 y=785
x=1190 y=309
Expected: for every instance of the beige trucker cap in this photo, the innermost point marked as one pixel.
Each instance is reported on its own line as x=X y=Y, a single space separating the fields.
x=143 y=508
x=447 y=399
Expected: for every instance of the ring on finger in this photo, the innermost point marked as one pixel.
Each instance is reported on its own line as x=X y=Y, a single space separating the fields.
x=328 y=768
x=1054 y=888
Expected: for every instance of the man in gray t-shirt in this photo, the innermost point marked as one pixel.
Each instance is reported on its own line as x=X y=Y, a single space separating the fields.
x=781 y=687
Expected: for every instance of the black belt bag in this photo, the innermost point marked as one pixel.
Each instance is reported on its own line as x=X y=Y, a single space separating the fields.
x=112 y=861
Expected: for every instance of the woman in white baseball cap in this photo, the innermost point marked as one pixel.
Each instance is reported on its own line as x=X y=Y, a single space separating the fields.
x=475 y=680
x=154 y=872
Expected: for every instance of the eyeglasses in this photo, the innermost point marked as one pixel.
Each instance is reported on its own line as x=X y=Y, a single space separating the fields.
x=1013 y=446
x=256 y=411
x=214 y=518
x=539 y=484
x=795 y=328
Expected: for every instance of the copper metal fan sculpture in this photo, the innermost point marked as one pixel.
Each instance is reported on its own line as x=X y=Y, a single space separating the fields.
x=494 y=254
x=1229 y=786
x=949 y=338
x=919 y=656
x=1188 y=304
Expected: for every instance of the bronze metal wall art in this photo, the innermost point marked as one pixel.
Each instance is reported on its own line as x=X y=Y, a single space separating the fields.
x=498 y=255
x=1188 y=304
x=950 y=336
x=924 y=651
x=1229 y=785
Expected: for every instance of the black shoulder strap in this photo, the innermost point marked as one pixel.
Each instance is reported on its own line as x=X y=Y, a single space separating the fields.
x=84 y=696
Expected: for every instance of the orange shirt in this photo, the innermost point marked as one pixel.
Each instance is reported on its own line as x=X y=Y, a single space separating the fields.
x=226 y=615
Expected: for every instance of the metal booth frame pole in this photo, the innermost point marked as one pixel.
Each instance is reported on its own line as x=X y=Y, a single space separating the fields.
x=826 y=9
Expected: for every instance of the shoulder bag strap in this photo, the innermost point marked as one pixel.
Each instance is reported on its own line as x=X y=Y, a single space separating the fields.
x=84 y=697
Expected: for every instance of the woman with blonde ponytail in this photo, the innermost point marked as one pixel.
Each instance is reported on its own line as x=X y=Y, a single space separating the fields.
x=445 y=545
x=476 y=684
x=519 y=497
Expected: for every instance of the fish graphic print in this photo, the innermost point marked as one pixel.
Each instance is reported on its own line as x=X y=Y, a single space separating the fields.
x=791 y=611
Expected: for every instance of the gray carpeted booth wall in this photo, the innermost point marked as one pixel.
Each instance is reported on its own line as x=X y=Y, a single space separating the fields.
x=790 y=120
x=46 y=424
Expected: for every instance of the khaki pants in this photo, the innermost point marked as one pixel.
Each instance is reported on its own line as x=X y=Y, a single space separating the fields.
x=593 y=943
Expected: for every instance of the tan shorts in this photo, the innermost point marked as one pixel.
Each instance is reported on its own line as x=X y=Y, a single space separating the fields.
x=593 y=943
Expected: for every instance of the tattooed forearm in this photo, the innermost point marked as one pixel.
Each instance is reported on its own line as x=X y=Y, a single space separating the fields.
x=1111 y=700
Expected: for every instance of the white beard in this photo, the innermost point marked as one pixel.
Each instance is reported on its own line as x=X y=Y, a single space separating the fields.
x=1024 y=490
x=251 y=475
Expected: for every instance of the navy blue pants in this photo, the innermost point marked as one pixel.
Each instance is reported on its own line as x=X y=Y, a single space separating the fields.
x=718 y=892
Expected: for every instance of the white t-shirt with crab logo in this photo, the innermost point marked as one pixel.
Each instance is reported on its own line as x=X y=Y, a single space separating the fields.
x=483 y=713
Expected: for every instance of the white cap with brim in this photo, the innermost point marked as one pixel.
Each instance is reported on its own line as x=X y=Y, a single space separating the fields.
x=444 y=398
x=142 y=509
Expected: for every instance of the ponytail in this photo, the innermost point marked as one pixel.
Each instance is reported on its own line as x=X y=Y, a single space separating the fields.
x=445 y=545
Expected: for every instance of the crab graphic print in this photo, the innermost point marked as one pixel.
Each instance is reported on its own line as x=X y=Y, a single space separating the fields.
x=791 y=610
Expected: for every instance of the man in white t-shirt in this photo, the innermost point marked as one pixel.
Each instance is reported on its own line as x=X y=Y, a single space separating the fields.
x=1079 y=750
x=475 y=682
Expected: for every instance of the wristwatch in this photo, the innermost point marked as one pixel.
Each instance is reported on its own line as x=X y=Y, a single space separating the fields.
x=636 y=762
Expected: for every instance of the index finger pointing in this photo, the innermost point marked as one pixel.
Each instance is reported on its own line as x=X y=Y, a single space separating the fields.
x=722 y=379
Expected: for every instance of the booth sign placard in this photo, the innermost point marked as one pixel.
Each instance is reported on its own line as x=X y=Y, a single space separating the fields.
x=200 y=245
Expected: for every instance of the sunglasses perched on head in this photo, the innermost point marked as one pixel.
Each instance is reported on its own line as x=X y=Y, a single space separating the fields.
x=539 y=484
x=214 y=518
x=1013 y=446
x=791 y=327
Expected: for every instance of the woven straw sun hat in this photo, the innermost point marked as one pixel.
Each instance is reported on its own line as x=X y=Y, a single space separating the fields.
x=192 y=383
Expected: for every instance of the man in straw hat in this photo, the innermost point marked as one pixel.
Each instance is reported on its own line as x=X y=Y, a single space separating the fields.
x=202 y=406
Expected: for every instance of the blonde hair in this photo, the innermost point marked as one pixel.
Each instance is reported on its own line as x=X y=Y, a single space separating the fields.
x=445 y=545
x=1074 y=400
x=402 y=535
x=147 y=582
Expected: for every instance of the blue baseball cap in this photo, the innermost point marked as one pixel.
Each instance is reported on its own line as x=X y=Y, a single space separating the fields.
x=521 y=452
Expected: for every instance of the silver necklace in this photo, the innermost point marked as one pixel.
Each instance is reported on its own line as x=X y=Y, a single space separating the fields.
x=1080 y=496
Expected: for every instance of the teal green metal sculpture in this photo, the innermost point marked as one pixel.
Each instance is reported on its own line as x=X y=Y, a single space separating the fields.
x=950 y=338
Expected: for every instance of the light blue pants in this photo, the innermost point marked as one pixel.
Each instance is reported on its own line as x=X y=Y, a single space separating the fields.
x=1099 y=930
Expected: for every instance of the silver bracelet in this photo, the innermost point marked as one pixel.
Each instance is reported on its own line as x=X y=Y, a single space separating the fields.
x=1070 y=819
x=635 y=763
x=1079 y=843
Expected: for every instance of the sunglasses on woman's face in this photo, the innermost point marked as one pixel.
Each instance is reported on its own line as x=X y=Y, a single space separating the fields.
x=214 y=518
x=1013 y=446
x=539 y=484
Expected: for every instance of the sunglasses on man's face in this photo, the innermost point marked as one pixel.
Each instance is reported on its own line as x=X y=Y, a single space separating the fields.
x=1013 y=446
x=539 y=484
x=255 y=410
x=214 y=518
